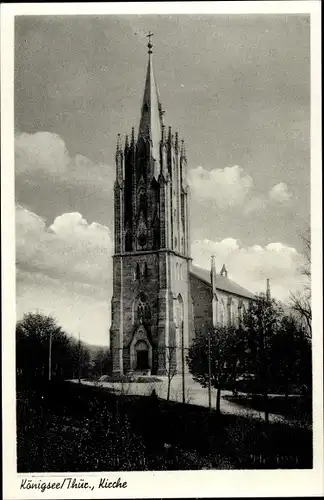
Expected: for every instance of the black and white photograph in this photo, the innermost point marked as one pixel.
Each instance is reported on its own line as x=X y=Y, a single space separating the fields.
x=165 y=231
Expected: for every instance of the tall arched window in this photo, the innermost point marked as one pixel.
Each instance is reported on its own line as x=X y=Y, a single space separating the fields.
x=222 y=313
x=142 y=203
x=240 y=311
x=179 y=311
x=243 y=311
x=142 y=310
x=234 y=321
x=229 y=310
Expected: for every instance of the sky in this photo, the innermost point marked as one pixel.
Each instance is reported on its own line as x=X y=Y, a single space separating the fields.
x=236 y=87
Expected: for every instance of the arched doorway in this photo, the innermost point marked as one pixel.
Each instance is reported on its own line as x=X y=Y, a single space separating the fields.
x=142 y=355
x=140 y=351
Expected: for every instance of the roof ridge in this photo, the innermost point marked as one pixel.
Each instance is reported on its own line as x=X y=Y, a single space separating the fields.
x=222 y=282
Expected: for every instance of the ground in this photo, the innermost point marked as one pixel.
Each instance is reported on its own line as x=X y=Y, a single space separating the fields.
x=194 y=394
x=72 y=427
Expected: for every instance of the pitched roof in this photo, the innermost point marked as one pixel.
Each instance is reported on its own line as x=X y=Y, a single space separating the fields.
x=222 y=283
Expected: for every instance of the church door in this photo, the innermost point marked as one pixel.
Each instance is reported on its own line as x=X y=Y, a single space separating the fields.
x=142 y=356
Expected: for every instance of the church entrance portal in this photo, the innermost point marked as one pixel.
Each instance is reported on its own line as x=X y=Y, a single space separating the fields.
x=142 y=356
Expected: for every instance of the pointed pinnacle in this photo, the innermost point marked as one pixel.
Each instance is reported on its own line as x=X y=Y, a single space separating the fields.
x=163 y=134
x=118 y=147
x=162 y=113
x=176 y=140
x=184 y=151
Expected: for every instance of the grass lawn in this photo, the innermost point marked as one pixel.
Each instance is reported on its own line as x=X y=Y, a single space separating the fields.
x=292 y=407
x=66 y=427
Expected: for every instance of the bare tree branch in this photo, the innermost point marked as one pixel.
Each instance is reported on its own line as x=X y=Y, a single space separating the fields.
x=301 y=302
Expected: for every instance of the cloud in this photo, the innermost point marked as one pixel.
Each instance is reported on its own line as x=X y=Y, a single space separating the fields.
x=69 y=249
x=250 y=266
x=65 y=269
x=280 y=193
x=256 y=204
x=41 y=151
x=45 y=153
x=277 y=195
x=75 y=306
x=225 y=187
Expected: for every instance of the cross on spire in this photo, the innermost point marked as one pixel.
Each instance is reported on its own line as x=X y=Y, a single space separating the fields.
x=150 y=45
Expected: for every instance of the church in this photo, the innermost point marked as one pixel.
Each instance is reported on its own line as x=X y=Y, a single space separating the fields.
x=160 y=298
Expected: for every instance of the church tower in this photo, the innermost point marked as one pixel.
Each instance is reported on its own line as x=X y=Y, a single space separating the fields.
x=151 y=305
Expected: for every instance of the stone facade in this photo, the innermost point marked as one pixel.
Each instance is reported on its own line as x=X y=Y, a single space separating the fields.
x=159 y=299
x=151 y=263
x=229 y=306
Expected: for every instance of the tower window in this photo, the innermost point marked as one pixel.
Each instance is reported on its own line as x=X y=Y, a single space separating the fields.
x=142 y=202
x=128 y=241
x=143 y=311
x=156 y=238
x=156 y=233
x=137 y=273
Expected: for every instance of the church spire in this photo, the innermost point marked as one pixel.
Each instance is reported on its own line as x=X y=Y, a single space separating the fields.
x=152 y=115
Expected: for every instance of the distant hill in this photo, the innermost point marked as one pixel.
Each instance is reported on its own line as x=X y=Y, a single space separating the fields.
x=94 y=348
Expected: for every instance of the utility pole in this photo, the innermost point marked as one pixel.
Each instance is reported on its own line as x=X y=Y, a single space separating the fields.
x=183 y=364
x=50 y=356
x=264 y=365
x=79 y=374
x=209 y=372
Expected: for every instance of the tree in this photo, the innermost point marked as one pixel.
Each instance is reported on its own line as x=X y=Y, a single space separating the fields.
x=301 y=301
x=261 y=322
x=102 y=362
x=277 y=349
x=223 y=343
x=34 y=334
x=291 y=354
